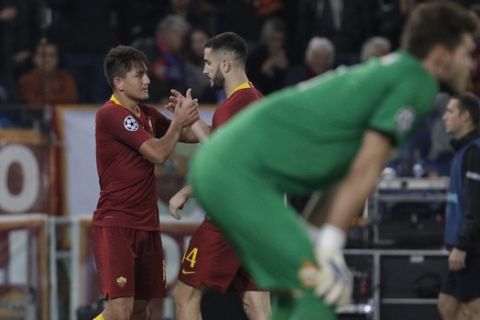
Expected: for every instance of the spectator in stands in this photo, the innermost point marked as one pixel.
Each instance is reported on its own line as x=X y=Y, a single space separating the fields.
x=189 y=10
x=267 y=7
x=138 y=18
x=375 y=47
x=164 y=54
x=46 y=83
x=460 y=292
x=194 y=77
x=3 y=93
x=234 y=15
x=319 y=58
x=84 y=31
x=392 y=16
x=269 y=62
x=346 y=23
x=14 y=44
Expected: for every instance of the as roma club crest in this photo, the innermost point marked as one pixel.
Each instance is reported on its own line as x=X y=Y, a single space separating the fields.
x=121 y=281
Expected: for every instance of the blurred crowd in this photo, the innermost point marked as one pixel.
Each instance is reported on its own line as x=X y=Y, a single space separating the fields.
x=51 y=51
x=63 y=42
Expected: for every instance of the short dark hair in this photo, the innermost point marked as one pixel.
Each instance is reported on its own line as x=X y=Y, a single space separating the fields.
x=44 y=43
x=470 y=103
x=229 y=41
x=436 y=22
x=120 y=60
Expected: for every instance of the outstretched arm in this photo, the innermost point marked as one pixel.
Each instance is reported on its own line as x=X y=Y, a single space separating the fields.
x=334 y=281
x=360 y=180
x=178 y=200
x=196 y=132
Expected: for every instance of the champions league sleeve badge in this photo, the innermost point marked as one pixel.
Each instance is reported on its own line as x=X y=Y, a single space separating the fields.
x=404 y=119
x=130 y=123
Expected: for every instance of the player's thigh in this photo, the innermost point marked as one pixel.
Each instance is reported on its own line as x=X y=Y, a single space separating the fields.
x=209 y=259
x=115 y=261
x=473 y=308
x=448 y=305
x=150 y=273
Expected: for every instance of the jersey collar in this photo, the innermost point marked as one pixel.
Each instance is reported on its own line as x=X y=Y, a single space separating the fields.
x=115 y=100
x=241 y=86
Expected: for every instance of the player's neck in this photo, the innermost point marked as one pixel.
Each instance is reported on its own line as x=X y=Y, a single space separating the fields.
x=127 y=102
x=463 y=132
x=233 y=81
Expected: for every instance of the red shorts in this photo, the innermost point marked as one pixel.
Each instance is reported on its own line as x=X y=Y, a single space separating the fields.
x=211 y=261
x=129 y=263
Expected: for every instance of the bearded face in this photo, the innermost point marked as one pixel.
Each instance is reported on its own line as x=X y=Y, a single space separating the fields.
x=217 y=80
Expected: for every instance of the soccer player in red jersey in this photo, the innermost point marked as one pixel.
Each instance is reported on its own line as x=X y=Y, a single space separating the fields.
x=210 y=261
x=131 y=138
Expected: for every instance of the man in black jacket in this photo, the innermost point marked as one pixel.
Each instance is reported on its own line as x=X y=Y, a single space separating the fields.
x=460 y=292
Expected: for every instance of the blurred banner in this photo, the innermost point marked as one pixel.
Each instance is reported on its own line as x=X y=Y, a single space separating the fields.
x=24 y=267
x=76 y=133
x=25 y=167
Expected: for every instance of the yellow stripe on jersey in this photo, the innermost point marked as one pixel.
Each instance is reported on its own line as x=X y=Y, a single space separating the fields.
x=99 y=317
x=244 y=85
x=114 y=100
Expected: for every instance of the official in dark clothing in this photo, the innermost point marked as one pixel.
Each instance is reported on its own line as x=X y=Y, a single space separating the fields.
x=460 y=294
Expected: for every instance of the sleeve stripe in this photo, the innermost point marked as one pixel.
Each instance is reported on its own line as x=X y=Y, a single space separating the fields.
x=473 y=175
x=386 y=134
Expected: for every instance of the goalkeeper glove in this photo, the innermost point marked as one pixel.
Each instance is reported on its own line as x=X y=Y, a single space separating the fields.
x=333 y=280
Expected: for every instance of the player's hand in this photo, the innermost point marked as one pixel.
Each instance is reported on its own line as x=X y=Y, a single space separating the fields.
x=333 y=280
x=173 y=99
x=178 y=200
x=456 y=259
x=176 y=203
x=186 y=110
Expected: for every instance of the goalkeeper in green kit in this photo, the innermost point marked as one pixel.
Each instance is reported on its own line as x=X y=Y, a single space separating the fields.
x=338 y=129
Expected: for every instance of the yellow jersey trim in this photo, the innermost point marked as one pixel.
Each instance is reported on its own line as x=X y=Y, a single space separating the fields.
x=115 y=100
x=244 y=85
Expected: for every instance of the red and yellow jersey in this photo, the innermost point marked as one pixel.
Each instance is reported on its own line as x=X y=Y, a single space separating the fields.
x=128 y=195
x=241 y=97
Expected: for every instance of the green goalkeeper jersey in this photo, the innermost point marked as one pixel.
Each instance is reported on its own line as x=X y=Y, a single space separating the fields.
x=304 y=137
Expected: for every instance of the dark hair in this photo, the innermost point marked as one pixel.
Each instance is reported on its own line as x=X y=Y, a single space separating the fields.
x=436 y=22
x=272 y=25
x=470 y=103
x=45 y=43
x=120 y=60
x=229 y=41
x=188 y=50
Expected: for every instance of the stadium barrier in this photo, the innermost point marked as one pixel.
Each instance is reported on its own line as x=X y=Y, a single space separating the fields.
x=47 y=269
